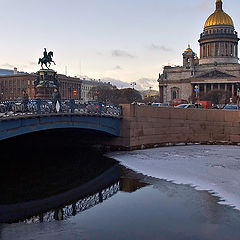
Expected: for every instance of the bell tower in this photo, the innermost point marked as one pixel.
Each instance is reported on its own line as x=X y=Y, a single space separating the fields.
x=189 y=58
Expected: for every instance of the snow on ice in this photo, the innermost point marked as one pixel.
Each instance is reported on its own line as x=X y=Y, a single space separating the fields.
x=212 y=168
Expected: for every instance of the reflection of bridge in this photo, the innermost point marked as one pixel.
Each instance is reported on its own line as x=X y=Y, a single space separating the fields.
x=66 y=204
x=76 y=207
x=17 y=118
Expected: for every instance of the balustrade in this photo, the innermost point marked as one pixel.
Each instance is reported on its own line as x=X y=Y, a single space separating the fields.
x=42 y=107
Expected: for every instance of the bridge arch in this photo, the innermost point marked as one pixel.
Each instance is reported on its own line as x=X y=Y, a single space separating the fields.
x=11 y=127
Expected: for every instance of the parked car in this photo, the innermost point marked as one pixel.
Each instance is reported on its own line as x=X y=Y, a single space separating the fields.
x=140 y=103
x=176 y=102
x=196 y=105
x=205 y=104
x=231 y=107
x=185 y=106
x=156 y=104
x=161 y=104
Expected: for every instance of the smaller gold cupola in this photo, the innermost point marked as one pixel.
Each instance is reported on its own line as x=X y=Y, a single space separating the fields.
x=189 y=59
x=188 y=49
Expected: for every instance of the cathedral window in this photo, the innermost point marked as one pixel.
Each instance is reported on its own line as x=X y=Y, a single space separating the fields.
x=175 y=93
x=174 y=96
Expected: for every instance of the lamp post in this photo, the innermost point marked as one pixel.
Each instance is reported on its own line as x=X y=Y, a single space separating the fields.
x=238 y=93
x=196 y=90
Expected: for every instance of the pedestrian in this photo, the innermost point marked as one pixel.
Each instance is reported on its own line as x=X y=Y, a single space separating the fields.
x=25 y=101
x=56 y=96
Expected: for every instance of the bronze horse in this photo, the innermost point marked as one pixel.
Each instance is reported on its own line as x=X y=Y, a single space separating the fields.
x=46 y=60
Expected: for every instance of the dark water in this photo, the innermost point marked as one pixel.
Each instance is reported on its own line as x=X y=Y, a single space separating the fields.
x=114 y=203
x=137 y=207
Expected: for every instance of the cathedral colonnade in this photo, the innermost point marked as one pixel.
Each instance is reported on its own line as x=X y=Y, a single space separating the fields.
x=204 y=88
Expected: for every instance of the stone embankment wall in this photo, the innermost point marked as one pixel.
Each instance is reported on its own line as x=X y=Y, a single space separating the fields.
x=147 y=126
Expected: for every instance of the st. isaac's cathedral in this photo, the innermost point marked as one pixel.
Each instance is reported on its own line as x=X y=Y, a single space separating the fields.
x=216 y=69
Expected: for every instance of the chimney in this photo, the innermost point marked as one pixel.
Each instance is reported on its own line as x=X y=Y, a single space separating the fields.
x=15 y=71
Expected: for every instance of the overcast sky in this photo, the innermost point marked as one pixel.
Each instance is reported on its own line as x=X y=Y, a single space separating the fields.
x=117 y=40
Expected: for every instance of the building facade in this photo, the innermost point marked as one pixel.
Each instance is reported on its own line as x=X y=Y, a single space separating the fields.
x=12 y=86
x=216 y=69
x=88 y=85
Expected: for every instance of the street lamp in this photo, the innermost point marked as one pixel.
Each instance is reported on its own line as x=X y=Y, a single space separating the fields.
x=238 y=93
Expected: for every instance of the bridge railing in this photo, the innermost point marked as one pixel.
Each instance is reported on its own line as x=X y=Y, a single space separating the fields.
x=48 y=106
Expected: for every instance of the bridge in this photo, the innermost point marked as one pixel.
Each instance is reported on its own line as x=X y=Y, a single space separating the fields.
x=127 y=126
x=17 y=118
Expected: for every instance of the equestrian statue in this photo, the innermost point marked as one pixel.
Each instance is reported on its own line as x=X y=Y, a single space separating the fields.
x=47 y=59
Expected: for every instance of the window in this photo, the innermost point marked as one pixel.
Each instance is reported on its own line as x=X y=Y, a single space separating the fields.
x=174 y=95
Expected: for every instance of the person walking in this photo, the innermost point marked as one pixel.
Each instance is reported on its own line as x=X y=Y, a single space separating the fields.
x=56 y=96
x=25 y=101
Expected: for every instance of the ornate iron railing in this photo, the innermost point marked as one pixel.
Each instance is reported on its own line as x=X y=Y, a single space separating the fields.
x=76 y=207
x=40 y=107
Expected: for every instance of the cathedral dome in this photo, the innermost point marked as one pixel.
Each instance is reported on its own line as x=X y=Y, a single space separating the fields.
x=219 y=17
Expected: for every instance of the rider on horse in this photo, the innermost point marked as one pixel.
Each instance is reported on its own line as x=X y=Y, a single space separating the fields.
x=47 y=58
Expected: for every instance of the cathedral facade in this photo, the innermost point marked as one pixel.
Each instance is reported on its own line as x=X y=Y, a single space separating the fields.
x=216 y=69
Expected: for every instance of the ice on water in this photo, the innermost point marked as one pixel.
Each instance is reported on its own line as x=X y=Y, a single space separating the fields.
x=212 y=168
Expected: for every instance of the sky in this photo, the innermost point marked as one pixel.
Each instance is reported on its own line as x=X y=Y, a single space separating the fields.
x=120 y=41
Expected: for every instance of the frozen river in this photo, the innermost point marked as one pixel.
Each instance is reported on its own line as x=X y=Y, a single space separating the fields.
x=212 y=168
x=170 y=193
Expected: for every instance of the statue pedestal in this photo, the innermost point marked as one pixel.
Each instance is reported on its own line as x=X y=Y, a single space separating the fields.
x=45 y=83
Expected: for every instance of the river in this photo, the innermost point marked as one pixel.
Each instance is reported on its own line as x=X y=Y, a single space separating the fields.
x=121 y=202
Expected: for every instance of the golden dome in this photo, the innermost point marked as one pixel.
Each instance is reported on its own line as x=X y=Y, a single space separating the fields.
x=219 y=17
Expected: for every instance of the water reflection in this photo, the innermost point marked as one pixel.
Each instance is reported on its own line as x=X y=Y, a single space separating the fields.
x=65 y=204
x=120 y=204
x=76 y=207
x=72 y=202
x=137 y=207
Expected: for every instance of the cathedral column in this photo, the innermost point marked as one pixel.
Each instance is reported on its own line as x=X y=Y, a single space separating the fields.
x=211 y=86
x=219 y=87
x=205 y=89
x=225 y=87
x=232 y=90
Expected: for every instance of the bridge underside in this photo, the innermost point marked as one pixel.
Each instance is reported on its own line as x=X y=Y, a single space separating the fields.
x=95 y=124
